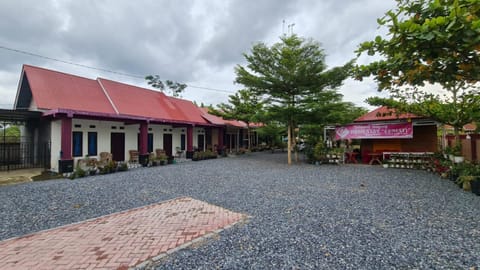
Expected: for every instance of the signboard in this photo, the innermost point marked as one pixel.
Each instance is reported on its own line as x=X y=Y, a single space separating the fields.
x=375 y=131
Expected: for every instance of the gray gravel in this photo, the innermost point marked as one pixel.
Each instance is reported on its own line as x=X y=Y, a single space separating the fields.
x=302 y=216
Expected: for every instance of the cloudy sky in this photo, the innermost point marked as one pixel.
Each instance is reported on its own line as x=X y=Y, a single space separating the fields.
x=195 y=42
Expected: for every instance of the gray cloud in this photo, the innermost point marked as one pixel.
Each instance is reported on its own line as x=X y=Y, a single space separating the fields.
x=197 y=42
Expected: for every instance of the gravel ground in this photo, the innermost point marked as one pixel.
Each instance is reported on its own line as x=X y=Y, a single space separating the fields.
x=302 y=216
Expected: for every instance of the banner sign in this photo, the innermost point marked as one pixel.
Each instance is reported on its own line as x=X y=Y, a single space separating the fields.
x=375 y=131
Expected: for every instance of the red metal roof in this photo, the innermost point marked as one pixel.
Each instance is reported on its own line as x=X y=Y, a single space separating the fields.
x=189 y=111
x=59 y=92
x=220 y=121
x=53 y=90
x=385 y=114
x=132 y=100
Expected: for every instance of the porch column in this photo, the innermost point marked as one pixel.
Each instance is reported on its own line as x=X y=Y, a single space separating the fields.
x=143 y=142
x=238 y=140
x=66 y=139
x=65 y=163
x=220 y=141
x=189 y=141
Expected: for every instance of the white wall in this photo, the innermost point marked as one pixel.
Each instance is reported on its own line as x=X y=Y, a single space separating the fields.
x=104 y=129
x=56 y=135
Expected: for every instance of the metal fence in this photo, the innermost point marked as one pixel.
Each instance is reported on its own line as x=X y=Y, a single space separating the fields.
x=24 y=155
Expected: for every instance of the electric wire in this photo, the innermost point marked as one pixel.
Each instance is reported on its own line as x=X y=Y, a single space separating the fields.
x=103 y=69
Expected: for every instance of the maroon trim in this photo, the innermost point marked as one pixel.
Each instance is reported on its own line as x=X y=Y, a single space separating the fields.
x=190 y=139
x=143 y=138
x=66 y=139
x=118 y=117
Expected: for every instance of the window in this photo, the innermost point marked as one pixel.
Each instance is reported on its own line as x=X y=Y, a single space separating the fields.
x=182 y=141
x=77 y=143
x=150 y=143
x=92 y=143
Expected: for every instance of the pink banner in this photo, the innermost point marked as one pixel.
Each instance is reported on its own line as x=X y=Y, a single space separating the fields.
x=374 y=131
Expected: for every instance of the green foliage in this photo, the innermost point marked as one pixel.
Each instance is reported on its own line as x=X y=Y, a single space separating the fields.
x=79 y=172
x=12 y=134
x=287 y=76
x=271 y=133
x=319 y=151
x=174 y=88
x=243 y=106
x=435 y=42
x=122 y=167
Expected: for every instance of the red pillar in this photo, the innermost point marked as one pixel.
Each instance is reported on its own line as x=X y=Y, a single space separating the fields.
x=189 y=141
x=66 y=139
x=143 y=144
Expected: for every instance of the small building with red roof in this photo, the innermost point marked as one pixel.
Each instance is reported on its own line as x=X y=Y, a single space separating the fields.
x=385 y=130
x=82 y=116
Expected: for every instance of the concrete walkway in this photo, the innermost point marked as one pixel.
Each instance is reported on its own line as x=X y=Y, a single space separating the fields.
x=18 y=176
x=118 y=241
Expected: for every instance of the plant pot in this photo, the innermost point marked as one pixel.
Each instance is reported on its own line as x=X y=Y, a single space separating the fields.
x=458 y=159
x=385 y=165
x=475 y=185
x=467 y=186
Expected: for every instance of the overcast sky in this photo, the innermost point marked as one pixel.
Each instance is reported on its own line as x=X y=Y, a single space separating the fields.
x=194 y=42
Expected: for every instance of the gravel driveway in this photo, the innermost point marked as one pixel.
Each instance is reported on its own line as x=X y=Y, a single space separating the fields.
x=302 y=216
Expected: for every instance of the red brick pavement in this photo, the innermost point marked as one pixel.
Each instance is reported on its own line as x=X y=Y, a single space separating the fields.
x=117 y=241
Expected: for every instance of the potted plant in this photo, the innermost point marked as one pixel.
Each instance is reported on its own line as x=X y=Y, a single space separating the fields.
x=467 y=174
x=475 y=185
x=464 y=181
x=457 y=154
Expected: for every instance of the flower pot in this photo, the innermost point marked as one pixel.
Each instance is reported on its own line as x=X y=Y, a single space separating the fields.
x=458 y=159
x=475 y=185
x=385 y=165
x=467 y=186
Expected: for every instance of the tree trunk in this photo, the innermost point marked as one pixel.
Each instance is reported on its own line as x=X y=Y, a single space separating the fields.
x=457 y=143
x=289 y=143
x=294 y=144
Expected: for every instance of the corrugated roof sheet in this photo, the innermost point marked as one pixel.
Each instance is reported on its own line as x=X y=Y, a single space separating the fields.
x=188 y=110
x=52 y=90
x=385 y=114
x=220 y=121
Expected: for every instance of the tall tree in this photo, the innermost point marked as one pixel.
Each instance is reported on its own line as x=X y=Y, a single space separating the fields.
x=171 y=87
x=434 y=42
x=243 y=106
x=285 y=74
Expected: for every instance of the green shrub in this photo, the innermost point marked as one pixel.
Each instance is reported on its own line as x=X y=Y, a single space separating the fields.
x=122 y=167
x=79 y=172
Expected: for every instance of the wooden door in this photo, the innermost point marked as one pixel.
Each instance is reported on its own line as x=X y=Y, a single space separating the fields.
x=167 y=144
x=117 y=146
x=201 y=142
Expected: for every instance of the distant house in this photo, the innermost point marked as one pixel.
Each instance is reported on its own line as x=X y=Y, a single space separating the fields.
x=81 y=116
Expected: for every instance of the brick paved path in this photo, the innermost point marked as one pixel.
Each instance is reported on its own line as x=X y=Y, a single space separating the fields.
x=117 y=241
